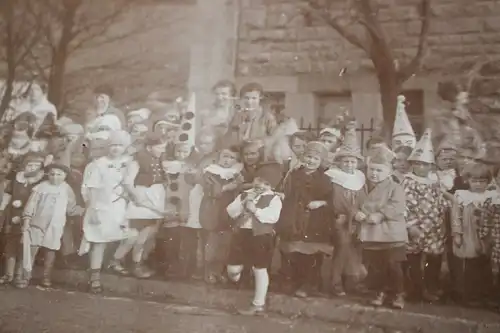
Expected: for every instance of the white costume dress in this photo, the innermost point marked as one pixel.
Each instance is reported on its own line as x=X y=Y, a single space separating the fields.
x=104 y=194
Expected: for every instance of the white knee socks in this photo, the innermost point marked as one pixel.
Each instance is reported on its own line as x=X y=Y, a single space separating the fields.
x=261 y=286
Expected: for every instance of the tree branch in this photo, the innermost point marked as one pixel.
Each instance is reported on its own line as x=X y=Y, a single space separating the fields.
x=323 y=14
x=414 y=65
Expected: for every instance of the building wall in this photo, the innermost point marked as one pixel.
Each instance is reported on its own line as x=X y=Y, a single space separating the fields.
x=287 y=51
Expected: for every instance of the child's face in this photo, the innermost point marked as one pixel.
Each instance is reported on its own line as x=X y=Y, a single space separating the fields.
x=478 y=185
x=206 y=144
x=56 y=176
x=298 y=146
x=261 y=185
x=329 y=141
x=102 y=103
x=228 y=158
x=312 y=162
x=251 y=156
x=348 y=164
x=445 y=161
x=182 y=152
x=377 y=173
x=421 y=169
x=401 y=163
x=222 y=95
x=116 y=150
x=32 y=167
x=252 y=100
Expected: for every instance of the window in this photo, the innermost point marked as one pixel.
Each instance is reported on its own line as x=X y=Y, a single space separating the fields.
x=332 y=105
x=415 y=109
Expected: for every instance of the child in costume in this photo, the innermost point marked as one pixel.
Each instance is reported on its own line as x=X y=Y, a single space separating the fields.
x=305 y=224
x=331 y=137
x=177 y=192
x=255 y=212
x=426 y=206
x=348 y=194
x=13 y=203
x=403 y=134
x=202 y=156
x=107 y=182
x=383 y=229
x=471 y=264
x=45 y=218
x=220 y=182
x=446 y=165
x=401 y=164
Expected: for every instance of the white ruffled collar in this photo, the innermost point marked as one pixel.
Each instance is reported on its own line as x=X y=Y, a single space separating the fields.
x=422 y=180
x=353 y=182
x=19 y=151
x=224 y=173
x=466 y=197
x=22 y=179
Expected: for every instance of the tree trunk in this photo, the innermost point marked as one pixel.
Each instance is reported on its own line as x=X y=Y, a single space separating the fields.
x=59 y=59
x=7 y=90
x=390 y=88
x=10 y=52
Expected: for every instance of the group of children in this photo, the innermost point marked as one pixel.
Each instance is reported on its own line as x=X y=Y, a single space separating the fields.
x=195 y=205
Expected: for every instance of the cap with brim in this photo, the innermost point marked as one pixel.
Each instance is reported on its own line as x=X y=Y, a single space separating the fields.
x=331 y=131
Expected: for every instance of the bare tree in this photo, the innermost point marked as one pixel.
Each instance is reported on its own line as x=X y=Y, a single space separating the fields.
x=19 y=34
x=361 y=27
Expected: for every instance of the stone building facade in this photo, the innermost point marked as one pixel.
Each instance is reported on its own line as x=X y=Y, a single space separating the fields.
x=315 y=73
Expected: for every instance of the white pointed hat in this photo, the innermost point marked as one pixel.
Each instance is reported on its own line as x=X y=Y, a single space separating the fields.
x=402 y=125
x=423 y=151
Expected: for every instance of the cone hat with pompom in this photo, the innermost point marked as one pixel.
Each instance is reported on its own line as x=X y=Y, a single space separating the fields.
x=423 y=151
x=350 y=146
x=402 y=124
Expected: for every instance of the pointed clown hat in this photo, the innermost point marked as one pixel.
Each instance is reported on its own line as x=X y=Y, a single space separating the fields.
x=402 y=125
x=187 y=131
x=423 y=151
x=350 y=146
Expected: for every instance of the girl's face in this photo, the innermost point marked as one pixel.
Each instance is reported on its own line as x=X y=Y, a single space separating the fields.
x=348 y=164
x=251 y=156
x=298 y=146
x=251 y=100
x=102 y=103
x=377 y=173
x=56 y=176
x=401 y=163
x=311 y=162
x=478 y=185
x=228 y=158
x=206 y=144
x=421 y=169
x=261 y=185
x=445 y=161
x=138 y=131
x=222 y=95
x=116 y=150
x=32 y=167
x=329 y=141
x=182 y=152
x=462 y=161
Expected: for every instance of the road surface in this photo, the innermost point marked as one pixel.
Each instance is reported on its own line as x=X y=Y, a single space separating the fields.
x=57 y=311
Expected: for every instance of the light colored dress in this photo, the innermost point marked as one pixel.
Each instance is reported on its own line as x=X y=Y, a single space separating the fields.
x=104 y=194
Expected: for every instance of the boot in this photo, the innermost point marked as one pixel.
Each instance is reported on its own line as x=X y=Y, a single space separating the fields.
x=398 y=302
x=378 y=300
x=48 y=265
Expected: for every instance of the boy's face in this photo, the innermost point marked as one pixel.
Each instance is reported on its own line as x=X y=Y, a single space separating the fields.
x=377 y=173
x=421 y=169
x=477 y=184
x=102 y=103
x=227 y=158
x=182 y=152
x=403 y=140
x=348 y=164
x=222 y=95
x=312 y=162
x=206 y=144
x=329 y=141
x=56 y=176
x=252 y=100
x=401 y=163
x=462 y=161
x=298 y=146
x=261 y=185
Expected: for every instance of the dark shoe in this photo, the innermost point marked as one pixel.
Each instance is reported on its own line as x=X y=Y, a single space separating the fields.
x=253 y=310
x=398 y=302
x=378 y=300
